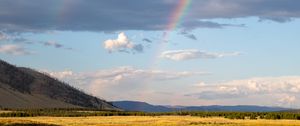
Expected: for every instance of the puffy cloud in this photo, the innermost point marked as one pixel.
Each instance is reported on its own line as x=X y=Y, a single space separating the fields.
x=179 y=55
x=24 y=16
x=282 y=91
x=122 y=44
x=14 y=50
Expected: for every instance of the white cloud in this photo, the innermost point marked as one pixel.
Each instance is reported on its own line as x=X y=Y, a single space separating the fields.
x=144 y=85
x=281 y=91
x=13 y=49
x=59 y=75
x=122 y=43
x=287 y=99
x=110 y=83
x=122 y=73
x=179 y=55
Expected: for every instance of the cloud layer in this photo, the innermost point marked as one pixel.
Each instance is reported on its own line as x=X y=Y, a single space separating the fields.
x=283 y=91
x=111 y=83
x=180 y=55
x=134 y=84
x=116 y=15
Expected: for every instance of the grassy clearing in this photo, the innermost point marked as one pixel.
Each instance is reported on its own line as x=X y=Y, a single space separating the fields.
x=145 y=121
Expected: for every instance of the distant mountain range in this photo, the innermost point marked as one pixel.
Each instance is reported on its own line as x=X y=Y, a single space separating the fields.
x=145 y=107
x=26 y=88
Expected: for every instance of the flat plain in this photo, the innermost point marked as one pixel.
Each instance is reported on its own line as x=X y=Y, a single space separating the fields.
x=143 y=121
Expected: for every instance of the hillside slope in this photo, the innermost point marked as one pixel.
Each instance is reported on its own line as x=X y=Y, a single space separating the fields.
x=26 y=88
x=141 y=106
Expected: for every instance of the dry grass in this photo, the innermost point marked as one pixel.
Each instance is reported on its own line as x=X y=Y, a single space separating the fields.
x=147 y=121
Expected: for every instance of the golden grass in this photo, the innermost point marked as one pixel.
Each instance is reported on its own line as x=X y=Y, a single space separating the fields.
x=147 y=121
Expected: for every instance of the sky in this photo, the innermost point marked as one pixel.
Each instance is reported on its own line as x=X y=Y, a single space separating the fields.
x=164 y=52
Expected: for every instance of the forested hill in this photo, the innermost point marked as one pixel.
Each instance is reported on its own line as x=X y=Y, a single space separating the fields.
x=26 y=88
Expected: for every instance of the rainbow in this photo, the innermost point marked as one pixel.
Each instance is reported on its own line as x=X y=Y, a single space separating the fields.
x=175 y=19
x=176 y=16
x=178 y=13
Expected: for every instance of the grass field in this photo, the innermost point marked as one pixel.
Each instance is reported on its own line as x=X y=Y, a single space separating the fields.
x=142 y=121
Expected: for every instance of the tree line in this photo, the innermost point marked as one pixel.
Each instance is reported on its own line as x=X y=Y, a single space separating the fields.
x=79 y=112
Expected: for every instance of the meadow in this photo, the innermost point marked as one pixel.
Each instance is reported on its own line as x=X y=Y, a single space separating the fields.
x=85 y=117
x=141 y=121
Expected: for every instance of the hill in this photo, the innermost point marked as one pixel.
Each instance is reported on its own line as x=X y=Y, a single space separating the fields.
x=27 y=88
x=140 y=106
x=145 y=107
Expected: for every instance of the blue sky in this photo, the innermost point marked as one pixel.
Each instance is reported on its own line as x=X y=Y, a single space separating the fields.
x=233 y=53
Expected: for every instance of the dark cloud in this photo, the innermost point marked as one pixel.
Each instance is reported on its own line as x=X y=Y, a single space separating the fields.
x=191 y=25
x=138 y=48
x=277 y=19
x=80 y=15
x=191 y=36
x=202 y=24
x=147 y=40
x=188 y=35
x=211 y=9
x=52 y=43
x=55 y=45
x=22 y=40
x=117 y=15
